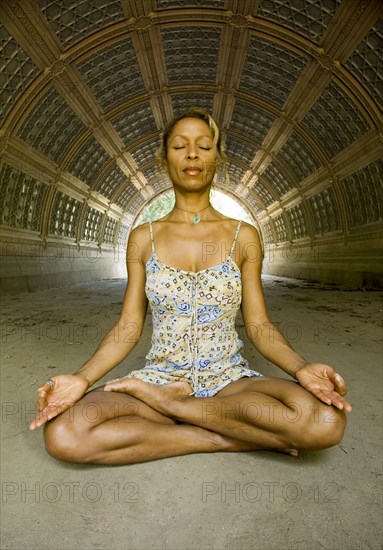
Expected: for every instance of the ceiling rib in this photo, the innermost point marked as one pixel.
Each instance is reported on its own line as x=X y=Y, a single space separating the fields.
x=69 y=83
x=239 y=22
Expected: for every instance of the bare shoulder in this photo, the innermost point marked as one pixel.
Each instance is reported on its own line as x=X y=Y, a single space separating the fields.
x=138 y=242
x=140 y=232
x=250 y=247
x=248 y=233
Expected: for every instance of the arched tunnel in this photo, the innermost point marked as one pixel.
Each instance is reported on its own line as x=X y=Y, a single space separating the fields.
x=89 y=86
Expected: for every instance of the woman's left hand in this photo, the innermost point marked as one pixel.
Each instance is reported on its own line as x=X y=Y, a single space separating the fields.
x=323 y=382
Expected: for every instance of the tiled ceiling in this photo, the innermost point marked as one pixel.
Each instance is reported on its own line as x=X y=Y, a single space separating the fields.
x=88 y=86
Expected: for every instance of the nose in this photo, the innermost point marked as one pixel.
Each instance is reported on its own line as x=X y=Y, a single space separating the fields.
x=192 y=152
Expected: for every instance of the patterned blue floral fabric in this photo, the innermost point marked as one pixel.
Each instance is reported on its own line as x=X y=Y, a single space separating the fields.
x=194 y=336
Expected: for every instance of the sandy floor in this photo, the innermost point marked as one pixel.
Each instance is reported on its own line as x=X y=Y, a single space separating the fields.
x=329 y=499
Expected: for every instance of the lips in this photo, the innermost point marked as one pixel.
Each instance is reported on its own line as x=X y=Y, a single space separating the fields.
x=192 y=170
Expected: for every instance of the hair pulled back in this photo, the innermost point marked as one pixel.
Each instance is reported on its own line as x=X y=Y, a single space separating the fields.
x=201 y=114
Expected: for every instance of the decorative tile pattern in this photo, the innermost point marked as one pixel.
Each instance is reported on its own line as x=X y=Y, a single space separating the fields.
x=241 y=149
x=135 y=123
x=270 y=71
x=166 y=4
x=297 y=221
x=145 y=152
x=126 y=195
x=65 y=216
x=251 y=120
x=110 y=182
x=309 y=17
x=230 y=183
x=267 y=234
x=235 y=172
x=51 y=127
x=191 y=54
x=324 y=212
x=89 y=161
x=136 y=204
x=92 y=225
x=17 y=71
x=160 y=185
x=363 y=192
x=152 y=174
x=253 y=204
x=156 y=178
x=263 y=193
x=298 y=157
x=73 y=20
x=277 y=179
x=113 y=74
x=22 y=198
x=182 y=102
x=110 y=230
x=123 y=235
x=334 y=121
x=280 y=228
x=367 y=61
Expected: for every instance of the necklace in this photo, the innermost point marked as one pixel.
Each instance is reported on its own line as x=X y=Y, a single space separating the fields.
x=196 y=218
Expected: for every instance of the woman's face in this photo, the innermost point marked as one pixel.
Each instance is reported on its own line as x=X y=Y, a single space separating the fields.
x=191 y=154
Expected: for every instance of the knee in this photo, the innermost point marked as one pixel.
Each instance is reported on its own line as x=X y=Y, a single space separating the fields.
x=64 y=441
x=325 y=426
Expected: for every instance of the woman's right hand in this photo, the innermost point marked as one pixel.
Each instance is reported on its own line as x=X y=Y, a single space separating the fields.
x=67 y=390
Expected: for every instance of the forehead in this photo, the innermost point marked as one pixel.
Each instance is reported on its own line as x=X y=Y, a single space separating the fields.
x=191 y=127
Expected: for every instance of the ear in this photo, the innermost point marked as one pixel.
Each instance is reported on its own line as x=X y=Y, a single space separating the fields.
x=164 y=165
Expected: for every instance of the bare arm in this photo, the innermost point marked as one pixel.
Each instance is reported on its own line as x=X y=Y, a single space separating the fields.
x=125 y=334
x=320 y=379
x=115 y=346
x=265 y=336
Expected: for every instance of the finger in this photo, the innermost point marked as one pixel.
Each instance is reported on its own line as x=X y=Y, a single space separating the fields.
x=338 y=402
x=50 y=411
x=119 y=389
x=114 y=386
x=341 y=403
x=117 y=382
x=41 y=400
x=117 y=385
x=46 y=387
x=334 y=399
x=112 y=381
x=340 y=384
x=38 y=421
x=322 y=396
x=42 y=392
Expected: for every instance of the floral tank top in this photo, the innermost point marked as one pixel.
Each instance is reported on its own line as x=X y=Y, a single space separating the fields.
x=194 y=336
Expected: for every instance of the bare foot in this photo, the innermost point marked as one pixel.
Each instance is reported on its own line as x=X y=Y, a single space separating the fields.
x=230 y=445
x=163 y=398
x=237 y=446
x=291 y=452
x=159 y=398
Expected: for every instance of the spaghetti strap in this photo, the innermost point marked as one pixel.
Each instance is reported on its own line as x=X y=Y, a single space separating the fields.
x=151 y=234
x=235 y=238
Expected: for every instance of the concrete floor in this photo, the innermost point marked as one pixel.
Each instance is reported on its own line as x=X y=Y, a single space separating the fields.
x=329 y=499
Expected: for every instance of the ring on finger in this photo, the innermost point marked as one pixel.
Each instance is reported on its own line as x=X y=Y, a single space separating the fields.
x=51 y=383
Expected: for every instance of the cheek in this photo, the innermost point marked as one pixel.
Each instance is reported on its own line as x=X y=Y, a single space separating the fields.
x=173 y=162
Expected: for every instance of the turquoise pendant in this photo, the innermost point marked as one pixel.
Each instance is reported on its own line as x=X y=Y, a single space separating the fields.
x=196 y=218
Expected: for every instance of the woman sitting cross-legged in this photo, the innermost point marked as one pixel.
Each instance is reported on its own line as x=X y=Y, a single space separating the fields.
x=197 y=393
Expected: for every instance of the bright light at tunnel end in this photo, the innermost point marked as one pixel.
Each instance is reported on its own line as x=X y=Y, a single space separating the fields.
x=222 y=202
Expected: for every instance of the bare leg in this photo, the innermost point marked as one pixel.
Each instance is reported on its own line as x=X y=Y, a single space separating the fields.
x=270 y=413
x=115 y=428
